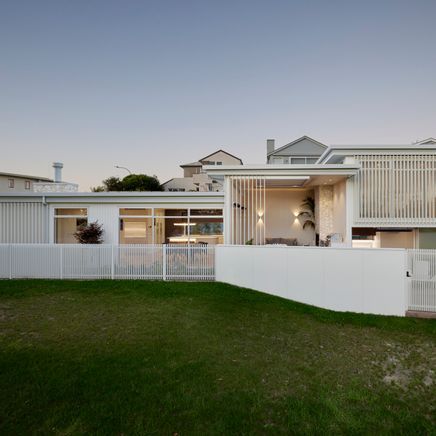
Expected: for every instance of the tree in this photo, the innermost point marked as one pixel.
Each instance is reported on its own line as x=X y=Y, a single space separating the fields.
x=141 y=182
x=308 y=212
x=91 y=233
x=109 y=185
x=132 y=182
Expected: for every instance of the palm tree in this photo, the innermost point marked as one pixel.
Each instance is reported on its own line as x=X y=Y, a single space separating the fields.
x=308 y=212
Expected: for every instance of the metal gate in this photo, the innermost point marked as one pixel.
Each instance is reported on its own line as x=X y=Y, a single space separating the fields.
x=422 y=280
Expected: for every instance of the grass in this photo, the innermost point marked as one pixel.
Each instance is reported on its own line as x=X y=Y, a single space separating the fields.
x=112 y=357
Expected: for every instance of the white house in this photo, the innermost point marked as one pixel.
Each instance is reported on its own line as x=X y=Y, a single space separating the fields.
x=196 y=179
x=374 y=196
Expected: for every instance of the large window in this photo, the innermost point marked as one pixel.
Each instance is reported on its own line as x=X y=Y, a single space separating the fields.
x=171 y=226
x=136 y=226
x=67 y=222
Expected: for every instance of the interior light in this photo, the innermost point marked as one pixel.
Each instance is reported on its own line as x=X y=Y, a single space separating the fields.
x=185 y=224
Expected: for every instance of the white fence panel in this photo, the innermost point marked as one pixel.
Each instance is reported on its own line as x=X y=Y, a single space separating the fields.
x=185 y=263
x=422 y=284
x=138 y=262
x=342 y=279
x=75 y=261
x=5 y=261
x=40 y=261
x=86 y=261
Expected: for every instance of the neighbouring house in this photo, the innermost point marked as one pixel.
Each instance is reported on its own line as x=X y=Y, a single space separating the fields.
x=10 y=182
x=195 y=178
x=364 y=196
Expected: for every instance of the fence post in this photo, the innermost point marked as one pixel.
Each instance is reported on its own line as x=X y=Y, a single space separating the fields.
x=164 y=261
x=61 y=262
x=112 y=263
x=10 y=261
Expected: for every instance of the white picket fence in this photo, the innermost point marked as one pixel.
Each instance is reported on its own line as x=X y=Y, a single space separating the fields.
x=152 y=262
x=422 y=281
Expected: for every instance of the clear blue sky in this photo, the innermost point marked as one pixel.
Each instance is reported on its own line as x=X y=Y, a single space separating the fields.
x=152 y=84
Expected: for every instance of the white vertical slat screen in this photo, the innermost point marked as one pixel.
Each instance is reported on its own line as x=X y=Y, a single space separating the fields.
x=23 y=222
x=248 y=197
x=396 y=189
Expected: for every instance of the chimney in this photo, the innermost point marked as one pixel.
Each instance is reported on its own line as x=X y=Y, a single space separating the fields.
x=58 y=171
x=270 y=146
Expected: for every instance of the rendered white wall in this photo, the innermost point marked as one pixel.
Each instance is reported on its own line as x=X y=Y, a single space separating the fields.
x=281 y=207
x=340 y=279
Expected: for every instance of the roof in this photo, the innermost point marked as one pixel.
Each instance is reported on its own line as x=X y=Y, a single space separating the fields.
x=25 y=176
x=156 y=197
x=192 y=164
x=266 y=170
x=417 y=147
x=426 y=141
x=222 y=151
x=290 y=144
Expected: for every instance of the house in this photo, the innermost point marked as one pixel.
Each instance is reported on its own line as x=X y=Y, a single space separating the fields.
x=363 y=196
x=10 y=182
x=195 y=179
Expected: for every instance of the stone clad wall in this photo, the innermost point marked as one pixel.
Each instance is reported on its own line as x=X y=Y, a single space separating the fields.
x=325 y=211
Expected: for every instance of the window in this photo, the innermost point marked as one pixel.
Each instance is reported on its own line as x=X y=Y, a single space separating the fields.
x=171 y=226
x=136 y=226
x=295 y=160
x=67 y=222
x=27 y=184
x=135 y=212
x=11 y=183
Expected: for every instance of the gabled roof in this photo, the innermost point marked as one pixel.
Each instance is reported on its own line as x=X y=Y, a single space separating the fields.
x=222 y=151
x=428 y=141
x=291 y=144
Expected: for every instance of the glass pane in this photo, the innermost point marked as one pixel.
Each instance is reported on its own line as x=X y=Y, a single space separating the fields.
x=135 y=212
x=176 y=230
x=176 y=212
x=298 y=160
x=206 y=212
x=206 y=230
x=312 y=160
x=136 y=231
x=65 y=229
x=75 y=212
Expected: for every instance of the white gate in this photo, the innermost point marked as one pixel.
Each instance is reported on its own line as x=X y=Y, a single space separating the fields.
x=422 y=281
x=76 y=261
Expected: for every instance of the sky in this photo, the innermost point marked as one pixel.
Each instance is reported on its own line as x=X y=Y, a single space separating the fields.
x=150 y=85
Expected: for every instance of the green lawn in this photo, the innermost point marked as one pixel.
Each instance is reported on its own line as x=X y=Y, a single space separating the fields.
x=162 y=358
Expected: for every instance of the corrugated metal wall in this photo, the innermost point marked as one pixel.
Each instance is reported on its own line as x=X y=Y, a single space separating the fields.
x=23 y=223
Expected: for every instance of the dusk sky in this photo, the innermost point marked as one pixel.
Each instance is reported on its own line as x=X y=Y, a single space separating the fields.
x=153 y=84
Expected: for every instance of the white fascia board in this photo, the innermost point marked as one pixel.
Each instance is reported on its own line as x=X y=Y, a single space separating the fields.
x=375 y=150
x=282 y=170
x=214 y=198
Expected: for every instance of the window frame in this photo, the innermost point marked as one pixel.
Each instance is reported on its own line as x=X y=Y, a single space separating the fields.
x=188 y=217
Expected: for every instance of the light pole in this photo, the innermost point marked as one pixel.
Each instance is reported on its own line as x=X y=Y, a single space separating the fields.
x=123 y=168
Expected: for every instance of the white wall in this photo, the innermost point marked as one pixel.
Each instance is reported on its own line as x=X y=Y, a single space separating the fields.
x=341 y=279
x=281 y=207
x=339 y=208
x=395 y=239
